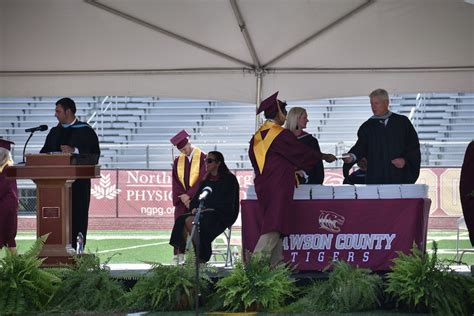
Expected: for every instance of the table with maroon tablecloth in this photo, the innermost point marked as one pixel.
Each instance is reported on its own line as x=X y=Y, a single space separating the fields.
x=366 y=233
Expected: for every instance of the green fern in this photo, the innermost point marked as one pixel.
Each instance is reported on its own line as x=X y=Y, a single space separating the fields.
x=348 y=289
x=87 y=286
x=255 y=286
x=166 y=288
x=24 y=287
x=419 y=282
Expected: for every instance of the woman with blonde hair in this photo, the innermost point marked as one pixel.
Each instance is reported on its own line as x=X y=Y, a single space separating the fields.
x=296 y=122
x=8 y=200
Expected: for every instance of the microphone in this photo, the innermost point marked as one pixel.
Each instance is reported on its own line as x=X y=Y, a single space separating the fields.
x=31 y=131
x=204 y=193
x=37 y=128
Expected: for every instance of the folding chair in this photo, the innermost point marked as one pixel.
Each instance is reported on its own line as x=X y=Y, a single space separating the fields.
x=224 y=250
x=461 y=225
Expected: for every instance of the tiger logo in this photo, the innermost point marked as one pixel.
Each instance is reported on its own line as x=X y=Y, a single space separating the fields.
x=330 y=221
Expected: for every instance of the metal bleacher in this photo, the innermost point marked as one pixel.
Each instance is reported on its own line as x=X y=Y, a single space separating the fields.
x=134 y=132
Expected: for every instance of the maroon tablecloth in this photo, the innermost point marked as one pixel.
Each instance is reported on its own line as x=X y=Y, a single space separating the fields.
x=366 y=233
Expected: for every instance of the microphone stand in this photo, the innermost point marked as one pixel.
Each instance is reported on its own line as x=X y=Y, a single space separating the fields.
x=24 y=147
x=195 y=235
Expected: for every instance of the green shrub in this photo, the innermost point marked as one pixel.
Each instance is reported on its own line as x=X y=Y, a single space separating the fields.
x=24 y=287
x=420 y=283
x=167 y=288
x=255 y=286
x=348 y=289
x=87 y=286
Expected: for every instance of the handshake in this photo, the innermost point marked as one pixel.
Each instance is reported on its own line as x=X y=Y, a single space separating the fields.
x=328 y=157
x=331 y=158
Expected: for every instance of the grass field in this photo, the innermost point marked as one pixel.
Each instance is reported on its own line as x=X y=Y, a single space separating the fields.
x=152 y=246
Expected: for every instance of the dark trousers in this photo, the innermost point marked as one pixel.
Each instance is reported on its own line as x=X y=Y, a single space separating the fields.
x=81 y=196
x=210 y=227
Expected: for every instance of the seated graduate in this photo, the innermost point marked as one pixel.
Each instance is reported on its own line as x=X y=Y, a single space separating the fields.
x=357 y=176
x=221 y=208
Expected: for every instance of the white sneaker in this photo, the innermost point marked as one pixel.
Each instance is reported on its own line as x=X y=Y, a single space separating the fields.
x=181 y=258
x=178 y=259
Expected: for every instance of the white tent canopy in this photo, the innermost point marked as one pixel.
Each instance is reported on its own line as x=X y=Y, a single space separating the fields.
x=236 y=49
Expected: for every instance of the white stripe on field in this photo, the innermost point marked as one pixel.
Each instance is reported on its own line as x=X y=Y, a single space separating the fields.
x=448 y=251
x=430 y=239
x=105 y=237
x=132 y=247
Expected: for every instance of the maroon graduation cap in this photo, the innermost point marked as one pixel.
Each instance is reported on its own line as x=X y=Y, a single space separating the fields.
x=180 y=140
x=6 y=144
x=270 y=105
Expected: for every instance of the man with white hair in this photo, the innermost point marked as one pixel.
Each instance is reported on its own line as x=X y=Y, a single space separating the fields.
x=390 y=144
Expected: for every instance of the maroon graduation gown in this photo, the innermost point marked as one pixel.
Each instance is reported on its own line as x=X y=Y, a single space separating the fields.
x=466 y=187
x=178 y=188
x=276 y=185
x=8 y=211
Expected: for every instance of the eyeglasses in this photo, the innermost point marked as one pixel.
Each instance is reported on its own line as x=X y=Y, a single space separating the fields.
x=210 y=160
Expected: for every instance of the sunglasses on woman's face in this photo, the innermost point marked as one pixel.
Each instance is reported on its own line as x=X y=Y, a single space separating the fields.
x=210 y=160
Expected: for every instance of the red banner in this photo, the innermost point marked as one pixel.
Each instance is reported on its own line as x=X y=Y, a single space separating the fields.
x=147 y=193
x=365 y=233
x=141 y=193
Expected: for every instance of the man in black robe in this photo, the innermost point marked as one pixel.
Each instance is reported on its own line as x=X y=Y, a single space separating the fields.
x=74 y=136
x=390 y=144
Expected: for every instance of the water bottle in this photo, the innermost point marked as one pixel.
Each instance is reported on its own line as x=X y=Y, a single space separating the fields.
x=79 y=244
x=235 y=253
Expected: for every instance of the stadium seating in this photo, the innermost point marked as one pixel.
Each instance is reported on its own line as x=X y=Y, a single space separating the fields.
x=134 y=132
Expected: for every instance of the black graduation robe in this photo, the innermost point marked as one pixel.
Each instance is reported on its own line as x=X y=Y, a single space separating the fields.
x=82 y=136
x=224 y=199
x=381 y=143
x=316 y=174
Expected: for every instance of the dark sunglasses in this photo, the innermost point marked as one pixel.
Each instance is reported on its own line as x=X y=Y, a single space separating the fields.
x=210 y=160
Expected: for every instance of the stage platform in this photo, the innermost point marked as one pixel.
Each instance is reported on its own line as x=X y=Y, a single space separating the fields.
x=134 y=271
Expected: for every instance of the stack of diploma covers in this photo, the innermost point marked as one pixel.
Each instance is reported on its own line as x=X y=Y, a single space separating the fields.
x=322 y=192
x=367 y=191
x=389 y=191
x=344 y=191
x=413 y=191
x=359 y=191
x=302 y=192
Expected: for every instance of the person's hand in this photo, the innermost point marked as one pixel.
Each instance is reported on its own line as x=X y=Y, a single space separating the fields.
x=193 y=211
x=347 y=158
x=329 y=157
x=187 y=203
x=399 y=162
x=362 y=164
x=184 y=197
x=67 y=149
x=300 y=173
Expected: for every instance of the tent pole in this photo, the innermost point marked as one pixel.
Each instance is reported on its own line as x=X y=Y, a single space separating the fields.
x=258 y=97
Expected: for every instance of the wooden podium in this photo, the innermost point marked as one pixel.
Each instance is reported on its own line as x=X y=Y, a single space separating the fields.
x=53 y=175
